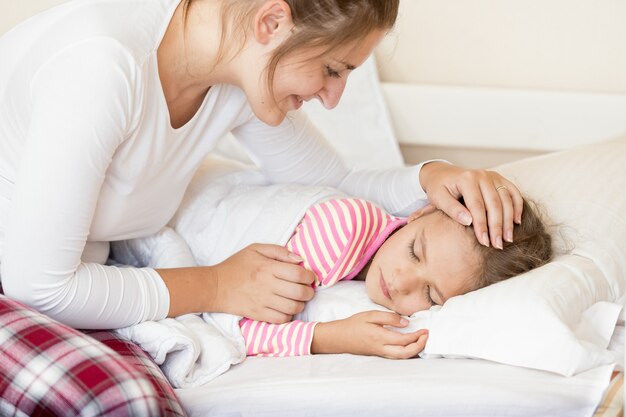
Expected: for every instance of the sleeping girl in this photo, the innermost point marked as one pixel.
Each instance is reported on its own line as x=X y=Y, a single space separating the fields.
x=408 y=265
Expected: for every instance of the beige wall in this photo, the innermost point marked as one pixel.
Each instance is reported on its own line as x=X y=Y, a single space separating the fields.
x=14 y=11
x=572 y=45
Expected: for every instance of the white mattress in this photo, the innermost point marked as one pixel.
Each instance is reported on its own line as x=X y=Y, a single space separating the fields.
x=346 y=385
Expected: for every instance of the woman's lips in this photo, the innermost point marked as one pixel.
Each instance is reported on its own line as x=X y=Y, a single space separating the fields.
x=383 y=287
x=297 y=102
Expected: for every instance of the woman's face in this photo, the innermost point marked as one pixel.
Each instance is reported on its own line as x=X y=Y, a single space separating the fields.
x=304 y=76
x=424 y=263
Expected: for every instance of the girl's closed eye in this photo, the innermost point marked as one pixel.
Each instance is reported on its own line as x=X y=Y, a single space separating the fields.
x=412 y=254
x=331 y=72
x=429 y=299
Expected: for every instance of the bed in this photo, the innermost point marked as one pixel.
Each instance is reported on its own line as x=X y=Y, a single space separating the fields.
x=549 y=343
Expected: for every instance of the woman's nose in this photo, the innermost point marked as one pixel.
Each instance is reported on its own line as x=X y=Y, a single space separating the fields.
x=332 y=91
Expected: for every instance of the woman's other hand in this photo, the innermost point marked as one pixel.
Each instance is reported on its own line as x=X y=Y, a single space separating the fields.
x=493 y=203
x=367 y=333
x=263 y=282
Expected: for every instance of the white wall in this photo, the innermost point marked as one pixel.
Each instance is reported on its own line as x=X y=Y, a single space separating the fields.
x=481 y=82
x=572 y=45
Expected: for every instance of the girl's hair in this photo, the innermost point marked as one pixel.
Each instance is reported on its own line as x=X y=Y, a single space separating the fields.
x=323 y=24
x=531 y=248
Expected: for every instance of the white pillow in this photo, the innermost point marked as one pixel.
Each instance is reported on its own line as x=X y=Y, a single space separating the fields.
x=359 y=127
x=559 y=317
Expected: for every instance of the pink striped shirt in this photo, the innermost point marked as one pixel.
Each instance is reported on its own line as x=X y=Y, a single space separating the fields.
x=336 y=239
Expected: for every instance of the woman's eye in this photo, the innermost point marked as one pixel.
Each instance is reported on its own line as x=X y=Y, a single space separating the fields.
x=412 y=254
x=331 y=72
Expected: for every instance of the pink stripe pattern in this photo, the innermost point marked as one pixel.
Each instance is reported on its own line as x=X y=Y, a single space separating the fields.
x=336 y=239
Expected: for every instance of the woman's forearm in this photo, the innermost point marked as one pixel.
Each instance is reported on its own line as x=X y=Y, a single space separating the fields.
x=192 y=290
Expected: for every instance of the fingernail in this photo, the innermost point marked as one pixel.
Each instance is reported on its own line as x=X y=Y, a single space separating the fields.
x=465 y=218
x=295 y=257
x=509 y=236
x=518 y=220
x=485 y=239
x=404 y=321
x=499 y=242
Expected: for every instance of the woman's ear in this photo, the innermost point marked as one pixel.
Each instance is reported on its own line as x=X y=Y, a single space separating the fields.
x=271 y=20
x=421 y=212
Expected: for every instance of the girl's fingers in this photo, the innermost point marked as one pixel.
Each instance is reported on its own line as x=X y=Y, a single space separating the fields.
x=386 y=318
x=392 y=337
x=406 y=351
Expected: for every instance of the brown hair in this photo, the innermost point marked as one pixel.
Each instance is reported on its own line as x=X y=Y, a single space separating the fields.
x=531 y=248
x=325 y=24
x=329 y=24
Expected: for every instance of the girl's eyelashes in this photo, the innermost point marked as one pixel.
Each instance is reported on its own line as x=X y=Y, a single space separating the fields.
x=429 y=299
x=331 y=72
x=412 y=254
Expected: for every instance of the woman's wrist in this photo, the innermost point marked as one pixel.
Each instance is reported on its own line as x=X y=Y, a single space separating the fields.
x=192 y=290
x=427 y=169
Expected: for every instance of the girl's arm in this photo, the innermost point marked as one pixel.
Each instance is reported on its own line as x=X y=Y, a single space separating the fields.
x=288 y=339
x=362 y=334
x=367 y=333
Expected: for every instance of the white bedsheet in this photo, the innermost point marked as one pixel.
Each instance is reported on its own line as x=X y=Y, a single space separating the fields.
x=347 y=385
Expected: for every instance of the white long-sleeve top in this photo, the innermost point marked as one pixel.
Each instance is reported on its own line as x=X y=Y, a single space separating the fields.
x=88 y=156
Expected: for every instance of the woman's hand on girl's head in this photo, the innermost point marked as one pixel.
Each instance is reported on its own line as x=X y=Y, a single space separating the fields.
x=366 y=334
x=263 y=282
x=492 y=203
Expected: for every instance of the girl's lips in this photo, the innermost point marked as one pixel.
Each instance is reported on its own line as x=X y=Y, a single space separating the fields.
x=383 y=287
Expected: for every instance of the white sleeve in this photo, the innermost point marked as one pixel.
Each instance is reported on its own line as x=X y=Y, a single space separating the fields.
x=297 y=152
x=81 y=111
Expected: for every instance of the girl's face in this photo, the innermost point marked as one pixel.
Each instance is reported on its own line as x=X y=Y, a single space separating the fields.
x=422 y=264
x=304 y=76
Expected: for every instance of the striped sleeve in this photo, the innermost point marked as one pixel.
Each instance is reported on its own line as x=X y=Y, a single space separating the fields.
x=287 y=339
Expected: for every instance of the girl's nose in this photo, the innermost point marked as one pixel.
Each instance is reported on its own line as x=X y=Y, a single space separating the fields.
x=405 y=282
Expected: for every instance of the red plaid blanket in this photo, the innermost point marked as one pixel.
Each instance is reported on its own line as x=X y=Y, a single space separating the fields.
x=49 y=369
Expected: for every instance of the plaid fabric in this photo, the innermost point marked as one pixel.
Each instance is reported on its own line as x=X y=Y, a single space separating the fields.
x=49 y=369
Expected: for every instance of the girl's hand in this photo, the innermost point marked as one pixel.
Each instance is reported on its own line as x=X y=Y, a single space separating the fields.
x=493 y=202
x=263 y=282
x=365 y=334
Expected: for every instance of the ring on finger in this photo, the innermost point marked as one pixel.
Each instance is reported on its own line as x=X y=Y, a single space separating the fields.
x=500 y=187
